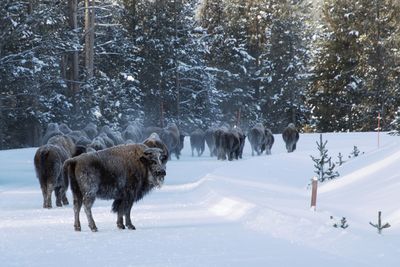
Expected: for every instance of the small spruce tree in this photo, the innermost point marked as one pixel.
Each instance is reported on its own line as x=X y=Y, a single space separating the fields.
x=341 y=161
x=355 y=153
x=379 y=225
x=325 y=169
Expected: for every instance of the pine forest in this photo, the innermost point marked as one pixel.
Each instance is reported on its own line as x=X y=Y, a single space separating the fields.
x=326 y=65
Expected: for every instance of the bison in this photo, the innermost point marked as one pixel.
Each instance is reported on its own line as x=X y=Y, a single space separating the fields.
x=256 y=137
x=227 y=143
x=124 y=173
x=242 y=139
x=290 y=135
x=269 y=141
x=171 y=137
x=48 y=161
x=197 y=141
x=52 y=130
x=91 y=130
x=210 y=140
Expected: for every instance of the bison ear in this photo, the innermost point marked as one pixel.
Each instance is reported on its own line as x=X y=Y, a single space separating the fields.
x=147 y=155
x=144 y=159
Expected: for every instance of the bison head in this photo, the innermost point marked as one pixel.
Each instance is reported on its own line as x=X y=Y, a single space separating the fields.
x=155 y=161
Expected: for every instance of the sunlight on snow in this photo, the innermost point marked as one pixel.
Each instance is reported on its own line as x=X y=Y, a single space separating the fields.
x=230 y=208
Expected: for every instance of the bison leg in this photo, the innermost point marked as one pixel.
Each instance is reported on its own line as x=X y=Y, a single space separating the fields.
x=58 y=193
x=47 y=200
x=77 y=209
x=120 y=219
x=44 y=193
x=87 y=205
x=64 y=198
x=128 y=221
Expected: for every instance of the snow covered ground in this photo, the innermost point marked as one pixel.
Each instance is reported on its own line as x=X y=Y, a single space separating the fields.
x=251 y=212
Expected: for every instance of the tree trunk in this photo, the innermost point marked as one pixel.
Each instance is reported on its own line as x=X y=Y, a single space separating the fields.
x=73 y=77
x=89 y=37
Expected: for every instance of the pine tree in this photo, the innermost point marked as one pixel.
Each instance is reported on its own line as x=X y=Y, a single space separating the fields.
x=32 y=91
x=355 y=67
x=286 y=63
x=325 y=169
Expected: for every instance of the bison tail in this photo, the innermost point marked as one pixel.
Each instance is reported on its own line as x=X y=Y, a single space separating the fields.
x=44 y=171
x=69 y=175
x=116 y=205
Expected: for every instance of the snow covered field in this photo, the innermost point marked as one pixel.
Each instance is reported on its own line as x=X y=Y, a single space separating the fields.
x=251 y=212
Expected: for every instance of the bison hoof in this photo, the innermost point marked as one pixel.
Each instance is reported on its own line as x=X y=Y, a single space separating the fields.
x=94 y=229
x=65 y=202
x=120 y=226
x=77 y=228
x=131 y=226
x=47 y=206
x=58 y=204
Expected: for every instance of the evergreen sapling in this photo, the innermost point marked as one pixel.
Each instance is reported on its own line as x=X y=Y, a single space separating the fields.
x=325 y=169
x=379 y=225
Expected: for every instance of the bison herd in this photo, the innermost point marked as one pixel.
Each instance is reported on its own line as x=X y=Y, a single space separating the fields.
x=124 y=166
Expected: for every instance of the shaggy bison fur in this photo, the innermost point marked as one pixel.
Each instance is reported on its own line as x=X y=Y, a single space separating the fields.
x=124 y=173
x=290 y=135
x=154 y=140
x=48 y=161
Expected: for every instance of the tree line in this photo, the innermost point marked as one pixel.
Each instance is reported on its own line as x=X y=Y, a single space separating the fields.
x=331 y=65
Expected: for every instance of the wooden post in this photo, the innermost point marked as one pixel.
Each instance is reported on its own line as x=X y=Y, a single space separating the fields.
x=379 y=126
x=314 y=184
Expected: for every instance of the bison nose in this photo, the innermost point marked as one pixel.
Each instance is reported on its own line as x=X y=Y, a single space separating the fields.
x=161 y=173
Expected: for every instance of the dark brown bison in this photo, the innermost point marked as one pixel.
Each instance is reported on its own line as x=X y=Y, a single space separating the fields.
x=256 y=137
x=171 y=137
x=124 y=173
x=91 y=130
x=269 y=141
x=53 y=129
x=96 y=144
x=132 y=132
x=242 y=139
x=210 y=140
x=48 y=163
x=151 y=129
x=290 y=135
x=227 y=143
x=197 y=141
x=154 y=140
x=115 y=136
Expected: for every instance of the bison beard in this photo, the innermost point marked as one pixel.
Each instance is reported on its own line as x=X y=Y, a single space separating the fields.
x=124 y=173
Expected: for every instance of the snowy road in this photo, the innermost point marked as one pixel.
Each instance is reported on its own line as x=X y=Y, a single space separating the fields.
x=252 y=212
